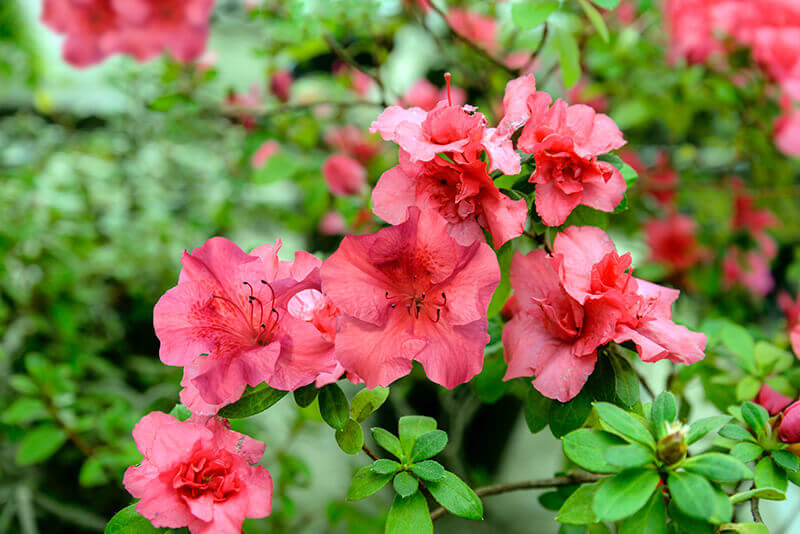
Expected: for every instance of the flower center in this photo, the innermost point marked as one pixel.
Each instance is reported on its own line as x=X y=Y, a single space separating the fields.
x=419 y=303
x=261 y=324
x=207 y=473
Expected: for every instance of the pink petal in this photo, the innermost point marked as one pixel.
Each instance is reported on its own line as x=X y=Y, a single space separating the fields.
x=604 y=195
x=393 y=194
x=453 y=354
x=552 y=205
x=581 y=247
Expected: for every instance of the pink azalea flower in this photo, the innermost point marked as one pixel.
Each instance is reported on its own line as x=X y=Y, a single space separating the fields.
x=423 y=94
x=691 y=28
x=792 y=311
x=673 y=242
x=565 y=141
x=749 y=270
x=787 y=131
x=197 y=474
x=332 y=223
x=789 y=429
x=345 y=176
x=479 y=29
x=244 y=104
x=581 y=93
x=92 y=29
x=152 y=27
x=746 y=217
x=579 y=298
x=352 y=141
x=280 y=85
x=411 y=292
x=265 y=151
x=773 y=401
x=207 y=61
x=464 y=194
x=227 y=324
x=661 y=182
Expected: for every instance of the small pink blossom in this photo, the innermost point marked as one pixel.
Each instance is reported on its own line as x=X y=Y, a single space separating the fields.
x=197 y=474
x=673 y=242
x=464 y=194
x=772 y=401
x=411 y=292
x=791 y=308
x=280 y=84
x=354 y=142
x=565 y=141
x=265 y=151
x=787 y=131
x=480 y=29
x=332 y=223
x=581 y=93
x=92 y=29
x=227 y=324
x=423 y=94
x=345 y=175
x=244 y=104
x=789 y=429
x=747 y=269
x=579 y=298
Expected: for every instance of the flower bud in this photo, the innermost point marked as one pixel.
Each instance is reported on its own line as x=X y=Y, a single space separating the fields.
x=671 y=449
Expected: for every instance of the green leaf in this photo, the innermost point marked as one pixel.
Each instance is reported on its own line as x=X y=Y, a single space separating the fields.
x=769 y=475
x=412 y=427
x=92 y=473
x=700 y=428
x=405 y=484
x=723 y=509
x=624 y=423
x=428 y=470
x=40 y=444
x=744 y=528
x=428 y=445
x=770 y=359
x=567 y=416
x=578 y=508
x=385 y=467
x=746 y=452
x=365 y=483
x=626 y=382
x=739 y=340
x=607 y=4
x=456 y=497
x=366 y=402
x=717 y=466
x=595 y=18
x=24 y=410
x=755 y=416
x=769 y=494
x=333 y=406
x=651 y=519
x=537 y=410
x=587 y=447
x=685 y=524
x=747 y=388
x=305 y=395
x=388 y=442
x=129 y=521
x=664 y=410
x=409 y=515
x=732 y=431
x=630 y=455
x=786 y=460
x=568 y=55
x=167 y=102
x=350 y=438
x=500 y=296
x=180 y=412
x=693 y=494
x=253 y=401
x=624 y=494
x=528 y=14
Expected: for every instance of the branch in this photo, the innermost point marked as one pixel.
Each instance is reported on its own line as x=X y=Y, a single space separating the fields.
x=350 y=60
x=507 y=487
x=369 y=452
x=755 y=508
x=539 y=47
x=288 y=108
x=479 y=49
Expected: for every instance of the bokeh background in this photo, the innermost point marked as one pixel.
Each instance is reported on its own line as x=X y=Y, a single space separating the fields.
x=108 y=173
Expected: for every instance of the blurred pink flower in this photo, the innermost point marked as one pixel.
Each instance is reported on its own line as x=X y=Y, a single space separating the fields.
x=264 y=152
x=345 y=175
x=353 y=141
x=581 y=93
x=280 y=84
x=480 y=29
x=410 y=292
x=791 y=308
x=749 y=270
x=197 y=474
x=772 y=401
x=92 y=29
x=332 y=223
x=673 y=242
x=423 y=94
x=787 y=131
x=207 y=61
x=244 y=104
x=789 y=430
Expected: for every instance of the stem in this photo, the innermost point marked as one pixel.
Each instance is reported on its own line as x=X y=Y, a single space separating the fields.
x=75 y=438
x=535 y=54
x=369 y=452
x=347 y=58
x=507 y=487
x=479 y=49
x=755 y=508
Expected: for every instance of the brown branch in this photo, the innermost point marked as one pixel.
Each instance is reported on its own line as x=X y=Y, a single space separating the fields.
x=345 y=56
x=75 y=438
x=477 y=48
x=506 y=487
x=369 y=452
x=535 y=53
x=755 y=508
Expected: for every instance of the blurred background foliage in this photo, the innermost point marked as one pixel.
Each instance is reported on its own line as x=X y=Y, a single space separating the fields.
x=108 y=174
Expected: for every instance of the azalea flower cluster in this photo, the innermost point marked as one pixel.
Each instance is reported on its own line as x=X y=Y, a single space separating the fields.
x=418 y=290
x=770 y=28
x=96 y=29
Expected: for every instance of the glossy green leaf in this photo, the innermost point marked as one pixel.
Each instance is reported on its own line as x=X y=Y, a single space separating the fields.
x=503 y=290
x=129 y=521
x=385 y=466
x=456 y=497
x=733 y=431
x=624 y=423
x=366 y=402
x=693 y=494
x=567 y=416
x=739 y=340
x=769 y=475
x=700 y=428
x=651 y=519
x=746 y=451
x=595 y=18
x=629 y=455
x=388 y=442
x=350 y=438
x=409 y=515
x=664 y=410
x=333 y=406
x=624 y=494
x=786 y=460
x=587 y=447
x=305 y=395
x=428 y=445
x=717 y=466
x=578 y=508
x=607 y=4
x=411 y=427
x=253 y=401
x=626 y=381
x=537 y=410
x=405 y=483
x=528 y=14
x=568 y=55
x=365 y=483
x=428 y=470
x=755 y=416
x=769 y=494
x=745 y=528
x=40 y=444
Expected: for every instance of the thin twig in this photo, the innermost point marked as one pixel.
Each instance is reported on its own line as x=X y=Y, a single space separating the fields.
x=535 y=53
x=345 y=56
x=507 y=487
x=477 y=48
x=369 y=452
x=755 y=508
